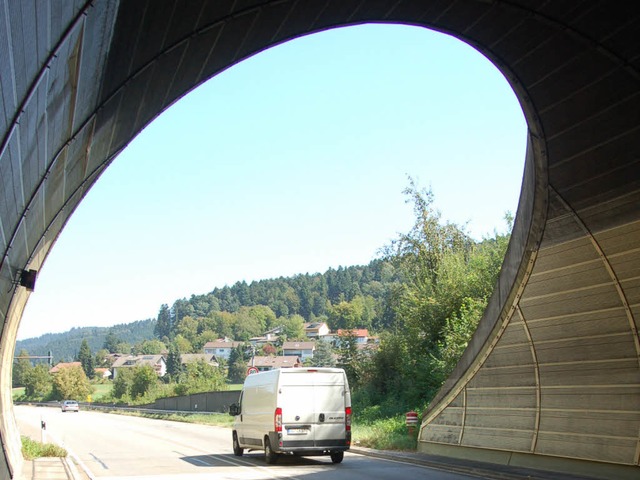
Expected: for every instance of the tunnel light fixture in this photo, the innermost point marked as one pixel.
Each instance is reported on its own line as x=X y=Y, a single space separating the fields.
x=28 y=279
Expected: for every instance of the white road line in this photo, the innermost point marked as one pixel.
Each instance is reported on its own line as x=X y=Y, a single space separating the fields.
x=73 y=456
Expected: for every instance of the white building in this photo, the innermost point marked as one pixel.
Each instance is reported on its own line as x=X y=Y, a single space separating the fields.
x=303 y=350
x=220 y=348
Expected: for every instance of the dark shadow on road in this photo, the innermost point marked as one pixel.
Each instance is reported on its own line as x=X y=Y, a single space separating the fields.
x=253 y=459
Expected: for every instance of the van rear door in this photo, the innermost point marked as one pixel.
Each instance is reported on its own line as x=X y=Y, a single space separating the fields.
x=313 y=409
x=329 y=405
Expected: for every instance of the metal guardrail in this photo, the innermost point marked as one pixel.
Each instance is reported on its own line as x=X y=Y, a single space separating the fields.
x=102 y=407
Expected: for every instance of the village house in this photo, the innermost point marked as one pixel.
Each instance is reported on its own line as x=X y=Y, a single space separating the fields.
x=207 y=358
x=103 y=373
x=59 y=366
x=272 y=362
x=303 y=350
x=361 y=335
x=316 y=330
x=129 y=361
x=221 y=348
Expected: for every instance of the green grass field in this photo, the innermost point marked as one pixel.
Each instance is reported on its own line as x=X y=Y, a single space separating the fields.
x=17 y=392
x=101 y=390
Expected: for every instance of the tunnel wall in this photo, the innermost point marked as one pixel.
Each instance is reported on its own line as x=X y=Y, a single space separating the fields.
x=553 y=370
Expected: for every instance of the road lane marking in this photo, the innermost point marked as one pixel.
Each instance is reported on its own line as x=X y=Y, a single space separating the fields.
x=102 y=464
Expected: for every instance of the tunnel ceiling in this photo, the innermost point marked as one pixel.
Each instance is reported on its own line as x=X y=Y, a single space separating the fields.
x=554 y=367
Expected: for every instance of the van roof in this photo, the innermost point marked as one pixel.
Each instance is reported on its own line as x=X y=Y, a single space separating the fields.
x=262 y=378
x=311 y=369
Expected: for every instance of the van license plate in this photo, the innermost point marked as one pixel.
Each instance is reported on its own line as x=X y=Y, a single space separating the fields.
x=297 y=431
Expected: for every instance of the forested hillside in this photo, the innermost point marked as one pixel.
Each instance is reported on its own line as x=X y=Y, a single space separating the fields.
x=65 y=346
x=302 y=298
x=311 y=297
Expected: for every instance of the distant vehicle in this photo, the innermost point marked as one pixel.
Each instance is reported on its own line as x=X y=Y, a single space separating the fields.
x=70 y=406
x=299 y=411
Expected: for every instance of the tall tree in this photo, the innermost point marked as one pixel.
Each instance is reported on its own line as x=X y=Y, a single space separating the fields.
x=163 y=326
x=144 y=379
x=37 y=382
x=349 y=357
x=431 y=258
x=111 y=342
x=85 y=357
x=174 y=365
x=323 y=355
x=122 y=383
x=237 y=365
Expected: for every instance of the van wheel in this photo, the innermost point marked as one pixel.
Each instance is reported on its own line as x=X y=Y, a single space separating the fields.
x=270 y=456
x=237 y=449
x=336 y=457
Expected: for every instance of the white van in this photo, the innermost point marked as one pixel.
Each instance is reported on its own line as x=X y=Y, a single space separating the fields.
x=300 y=411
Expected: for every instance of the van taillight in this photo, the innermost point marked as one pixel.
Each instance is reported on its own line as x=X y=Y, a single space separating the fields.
x=347 y=414
x=277 y=420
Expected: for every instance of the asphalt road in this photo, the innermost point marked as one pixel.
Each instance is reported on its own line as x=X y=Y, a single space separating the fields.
x=121 y=447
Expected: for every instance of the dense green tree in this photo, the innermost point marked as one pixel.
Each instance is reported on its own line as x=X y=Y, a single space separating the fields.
x=21 y=368
x=349 y=357
x=150 y=347
x=345 y=315
x=202 y=339
x=224 y=322
x=143 y=381
x=37 y=382
x=264 y=315
x=252 y=322
x=237 y=365
x=181 y=308
x=183 y=344
x=293 y=327
x=200 y=377
x=174 y=364
x=457 y=333
x=124 y=347
x=446 y=281
x=188 y=328
x=429 y=257
x=390 y=375
x=111 y=342
x=122 y=383
x=323 y=355
x=85 y=357
x=367 y=306
x=163 y=326
x=102 y=358
x=71 y=383
x=228 y=299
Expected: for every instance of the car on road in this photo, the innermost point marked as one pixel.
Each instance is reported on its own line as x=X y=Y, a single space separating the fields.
x=70 y=406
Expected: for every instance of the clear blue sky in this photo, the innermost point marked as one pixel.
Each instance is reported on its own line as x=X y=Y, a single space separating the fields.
x=293 y=161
